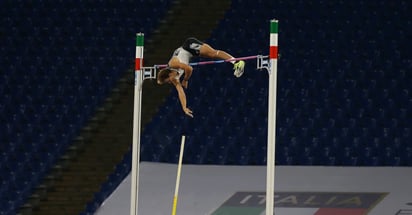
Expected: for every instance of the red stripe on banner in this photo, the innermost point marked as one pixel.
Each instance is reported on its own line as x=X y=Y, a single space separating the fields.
x=341 y=211
x=137 y=64
x=273 y=52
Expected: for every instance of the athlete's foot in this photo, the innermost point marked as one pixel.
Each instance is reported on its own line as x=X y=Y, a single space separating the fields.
x=238 y=68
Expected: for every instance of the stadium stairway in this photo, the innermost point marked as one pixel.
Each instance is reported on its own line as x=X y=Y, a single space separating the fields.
x=106 y=140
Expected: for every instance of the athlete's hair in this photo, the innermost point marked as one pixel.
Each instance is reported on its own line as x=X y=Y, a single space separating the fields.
x=163 y=75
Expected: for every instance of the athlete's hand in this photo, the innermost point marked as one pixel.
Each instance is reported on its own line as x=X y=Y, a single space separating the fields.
x=184 y=83
x=188 y=112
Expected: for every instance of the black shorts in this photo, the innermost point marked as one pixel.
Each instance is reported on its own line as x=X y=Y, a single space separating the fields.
x=192 y=45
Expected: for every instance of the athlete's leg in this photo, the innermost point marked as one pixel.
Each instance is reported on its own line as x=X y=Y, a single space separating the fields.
x=208 y=52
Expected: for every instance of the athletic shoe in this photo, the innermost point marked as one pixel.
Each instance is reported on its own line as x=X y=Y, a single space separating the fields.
x=239 y=68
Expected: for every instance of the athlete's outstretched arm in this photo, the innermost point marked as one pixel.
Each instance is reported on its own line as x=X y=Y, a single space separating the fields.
x=185 y=80
x=182 y=98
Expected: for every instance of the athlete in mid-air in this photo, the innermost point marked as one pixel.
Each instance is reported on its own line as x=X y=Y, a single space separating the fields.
x=178 y=66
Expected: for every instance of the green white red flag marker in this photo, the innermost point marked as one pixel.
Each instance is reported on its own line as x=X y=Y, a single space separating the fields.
x=273 y=52
x=139 y=51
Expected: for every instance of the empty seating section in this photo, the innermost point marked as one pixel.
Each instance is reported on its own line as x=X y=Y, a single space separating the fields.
x=344 y=90
x=59 y=61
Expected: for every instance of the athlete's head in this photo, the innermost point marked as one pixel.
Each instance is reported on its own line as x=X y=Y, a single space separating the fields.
x=163 y=75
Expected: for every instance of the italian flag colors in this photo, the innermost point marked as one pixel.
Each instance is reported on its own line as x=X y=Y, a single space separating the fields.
x=273 y=52
x=139 y=51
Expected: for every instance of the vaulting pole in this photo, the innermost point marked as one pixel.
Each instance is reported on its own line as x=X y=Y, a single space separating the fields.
x=179 y=171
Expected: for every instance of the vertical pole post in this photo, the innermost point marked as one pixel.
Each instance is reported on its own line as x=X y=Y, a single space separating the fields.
x=136 y=124
x=270 y=168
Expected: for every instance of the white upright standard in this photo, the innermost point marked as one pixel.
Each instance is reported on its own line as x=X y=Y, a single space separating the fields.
x=270 y=167
x=137 y=124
